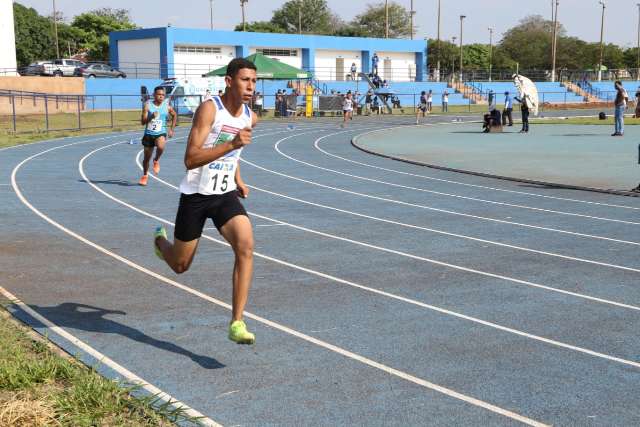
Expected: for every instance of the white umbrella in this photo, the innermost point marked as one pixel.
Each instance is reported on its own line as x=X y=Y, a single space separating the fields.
x=527 y=89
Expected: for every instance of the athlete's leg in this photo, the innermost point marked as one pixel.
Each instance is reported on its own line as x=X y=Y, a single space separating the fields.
x=148 y=152
x=159 y=150
x=237 y=231
x=178 y=254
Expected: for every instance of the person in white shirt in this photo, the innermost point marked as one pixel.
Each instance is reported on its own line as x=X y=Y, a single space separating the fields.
x=347 y=108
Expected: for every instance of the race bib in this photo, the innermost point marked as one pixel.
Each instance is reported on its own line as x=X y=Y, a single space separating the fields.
x=155 y=125
x=219 y=177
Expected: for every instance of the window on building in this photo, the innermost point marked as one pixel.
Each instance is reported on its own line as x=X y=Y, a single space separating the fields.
x=278 y=52
x=196 y=49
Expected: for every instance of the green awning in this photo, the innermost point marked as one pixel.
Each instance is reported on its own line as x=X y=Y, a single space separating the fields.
x=268 y=68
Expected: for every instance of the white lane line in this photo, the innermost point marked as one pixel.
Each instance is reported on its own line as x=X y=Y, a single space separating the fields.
x=388 y=294
x=445 y=233
x=467 y=184
x=384 y=199
x=105 y=360
x=439 y=193
x=130 y=376
x=369 y=362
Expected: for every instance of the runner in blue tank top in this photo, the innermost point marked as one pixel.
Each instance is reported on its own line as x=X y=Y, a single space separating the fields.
x=221 y=128
x=154 y=117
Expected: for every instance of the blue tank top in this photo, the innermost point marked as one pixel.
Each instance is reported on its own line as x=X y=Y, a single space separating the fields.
x=157 y=126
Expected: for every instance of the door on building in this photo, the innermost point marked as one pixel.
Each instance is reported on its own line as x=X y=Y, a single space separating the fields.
x=388 y=71
x=340 y=69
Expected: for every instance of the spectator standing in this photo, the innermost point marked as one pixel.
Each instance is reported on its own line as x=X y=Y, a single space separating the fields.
x=354 y=71
x=637 y=111
x=429 y=101
x=445 y=101
x=368 y=99
x=508 y=110
x=422 y=107
x=524 y=109
x=258 y=103
x=374 y=63
x=376 y=105
x=620 y=106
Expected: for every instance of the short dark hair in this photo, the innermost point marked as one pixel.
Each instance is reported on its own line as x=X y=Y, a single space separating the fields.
x=618 y=82
x=238 y=64
x=157 y=88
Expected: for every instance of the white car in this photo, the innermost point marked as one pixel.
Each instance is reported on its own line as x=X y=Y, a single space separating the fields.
x=62 y=67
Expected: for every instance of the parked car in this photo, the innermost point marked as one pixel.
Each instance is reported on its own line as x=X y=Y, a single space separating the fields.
x=34 y=69
x=98 y=70
x=62 y=67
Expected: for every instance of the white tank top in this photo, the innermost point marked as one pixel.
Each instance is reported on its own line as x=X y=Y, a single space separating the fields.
x=219 y=176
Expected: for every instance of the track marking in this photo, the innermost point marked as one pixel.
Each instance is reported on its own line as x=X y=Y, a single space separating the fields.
x=373 y=290
x=445 y=233
x=470 y=185
x=457 y=196
x=384 y=199
x=274 y=325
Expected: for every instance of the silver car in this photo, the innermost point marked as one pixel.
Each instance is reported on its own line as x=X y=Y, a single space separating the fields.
x=99 y=70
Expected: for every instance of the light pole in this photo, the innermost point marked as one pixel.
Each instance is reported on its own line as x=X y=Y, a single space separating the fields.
x=55 y=28
x=438 y=45
x=601 y=41
x=211 y=12
x=490 y=51
x=386 y=19
x=638 y=60
x=299 y=16
x=412 y=12
x=244 y=22
x=453 y=60
x=554 y=43
x=461 y=20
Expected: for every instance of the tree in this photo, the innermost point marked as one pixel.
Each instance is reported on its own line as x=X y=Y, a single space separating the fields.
x=371 y=23
x=529 y=42
x=260 y=27
x=34 y=38
x=315 y=15
x=96 y=25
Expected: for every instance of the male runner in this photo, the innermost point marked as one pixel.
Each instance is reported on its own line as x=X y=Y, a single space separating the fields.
x=422 y=107
x=154 y=117
x=221 y=128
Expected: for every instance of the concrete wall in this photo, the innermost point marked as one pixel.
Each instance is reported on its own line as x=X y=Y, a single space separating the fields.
x=52 y=85
x=122 y=94
x=7 y=39
x=326 y=63
x=55 y=87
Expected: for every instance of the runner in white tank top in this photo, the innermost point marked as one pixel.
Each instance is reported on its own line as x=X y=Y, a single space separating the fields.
x=347 y=108
x=221 y=128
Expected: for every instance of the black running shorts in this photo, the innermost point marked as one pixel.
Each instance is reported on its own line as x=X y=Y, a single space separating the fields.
x=194 y=210
x=150 y=140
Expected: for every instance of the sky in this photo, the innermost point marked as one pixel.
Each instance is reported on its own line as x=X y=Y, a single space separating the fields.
x=581 y=18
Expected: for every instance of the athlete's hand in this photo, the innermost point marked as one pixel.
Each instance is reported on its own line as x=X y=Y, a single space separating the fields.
x=243 y=190
x=170 y=133
x=242 y=138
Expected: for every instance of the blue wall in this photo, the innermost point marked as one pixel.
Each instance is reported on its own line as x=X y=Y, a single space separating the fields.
x=125 y=92
x=243 y=40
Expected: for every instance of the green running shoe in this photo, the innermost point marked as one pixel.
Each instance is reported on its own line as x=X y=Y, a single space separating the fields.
x=160 y=232
x=238 y=333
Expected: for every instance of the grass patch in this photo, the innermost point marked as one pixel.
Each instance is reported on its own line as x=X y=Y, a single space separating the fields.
x=39 y=387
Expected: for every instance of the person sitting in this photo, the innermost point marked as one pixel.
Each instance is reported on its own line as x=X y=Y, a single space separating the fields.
x=395 y=101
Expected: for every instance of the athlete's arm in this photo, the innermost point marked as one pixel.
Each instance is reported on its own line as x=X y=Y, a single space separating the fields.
x=195 y=155
x=174 y=119
x=243 y=190
x=145 y=114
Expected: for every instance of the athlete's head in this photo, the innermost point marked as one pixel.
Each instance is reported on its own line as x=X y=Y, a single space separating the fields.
x=241 y=79
x=158 y=94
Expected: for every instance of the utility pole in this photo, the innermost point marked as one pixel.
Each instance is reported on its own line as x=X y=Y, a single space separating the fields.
x=461 y=19
x=244 y=22
x=601 y=41
x=554 y=42
x=55 y=28
x=211 y=12
x=490 y=51
x=438 y=45
x=386 y=19
x=411 y=13
x=299 y=16
x=638 y=60
x=453 y=61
